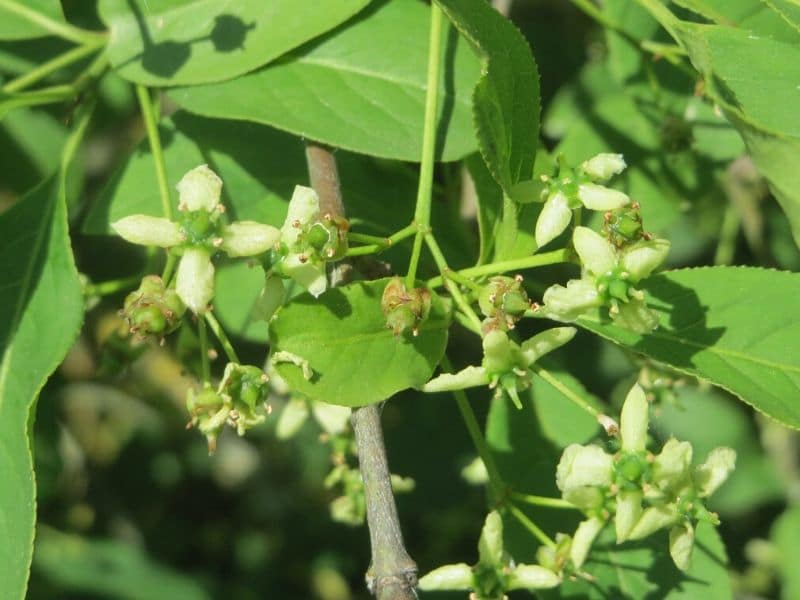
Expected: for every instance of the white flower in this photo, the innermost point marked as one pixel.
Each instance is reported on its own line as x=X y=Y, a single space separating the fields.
x=302 y=264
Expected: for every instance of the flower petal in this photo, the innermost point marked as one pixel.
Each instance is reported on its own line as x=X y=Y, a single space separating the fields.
x=597 y=254
x=604 y=166
x=635 y=316
x=308 y=274
x=532 y=577
x=303 y=209
x=149 y=231
x=634 y=419
x=448 y=577
x=582 y=540
x=194 y=281
x=599 y=197
x=568 y=303
x=715 y=470
x=583 y=466
x=248 y=238
x=671 y=467
x=644 y=257
x=490 y=544
x=553 y=219
x=544 y=342
x=200 y=189
x=469 y=377
x=681 y=542
x=653 y=519
x=629 y=509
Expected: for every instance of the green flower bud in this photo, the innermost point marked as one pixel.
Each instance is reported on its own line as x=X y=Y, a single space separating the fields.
x=623 y=226
x=532 y=577
x=490 y=545
x=194 y=281
x=583 y=539
x=153 y=309
x=598 y=197
x=503 y=300
x=448 y=577
x=604 y=166
x=653 y=519
x=148 y=231
x=583 y=466
x=553 y=220
x=634 y=420
x=403 y=308
x=209 y=413
x=248 y=238
x=199 y=189
x=681 y=543
x=629 y=510
x=671 y=468
x=715 y=470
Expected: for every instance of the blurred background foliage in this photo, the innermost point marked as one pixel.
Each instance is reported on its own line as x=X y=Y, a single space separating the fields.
x=131 y=506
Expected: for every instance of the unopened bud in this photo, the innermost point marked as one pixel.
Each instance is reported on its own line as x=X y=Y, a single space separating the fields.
x=403 y=308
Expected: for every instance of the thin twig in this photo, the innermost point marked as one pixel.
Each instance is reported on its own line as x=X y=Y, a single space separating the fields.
x=392 y=574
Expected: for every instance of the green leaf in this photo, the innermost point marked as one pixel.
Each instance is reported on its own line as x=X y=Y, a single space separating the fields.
x=764 y=17
x=361 y=88
x=687 y=419
x=107 y=569
x=14 y=27
x=645 y=570
x=43 y=305
x=355 y=359
x=505 y=101
x=736 y=327
x=753 y=78
x=32 y=142
x=784 y=536
x=186 y=42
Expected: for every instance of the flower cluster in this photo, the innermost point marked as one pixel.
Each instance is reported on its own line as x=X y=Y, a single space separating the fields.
x=644 y=492
x=197 y=235
x=506 y=364
x=574 y=188
x=609 y=277
x=495 y=572
x=236 y=402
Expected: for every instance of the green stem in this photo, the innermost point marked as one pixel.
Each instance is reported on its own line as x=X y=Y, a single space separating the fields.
x=465 y=408
x=202 y=334
x=378 y=244
x=531 y=526
x=459 y=278
x=169 y=268
x=422 y=212
x=62 y=30
x=151 y=125
x=543 y=501
x=517 y=264
x=222 y=337
x=51 y=66
x=106 y=288
x=556 y=383
x=458 y=297
x=726 y=248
